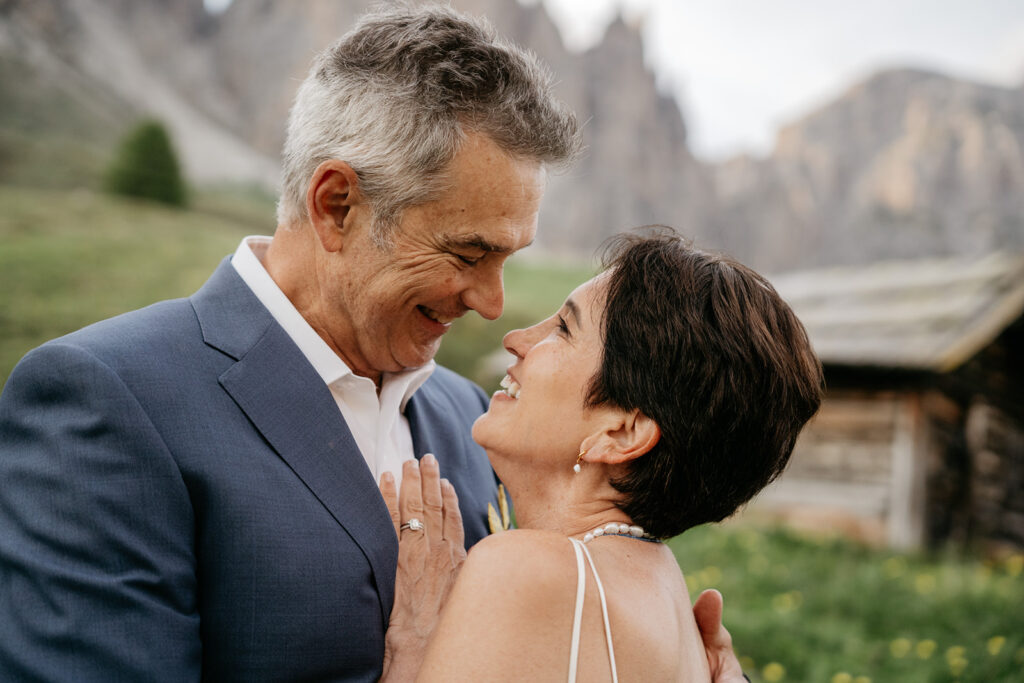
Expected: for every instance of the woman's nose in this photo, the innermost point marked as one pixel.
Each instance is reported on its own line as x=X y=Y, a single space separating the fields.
x=519 y=342
x=514 y=343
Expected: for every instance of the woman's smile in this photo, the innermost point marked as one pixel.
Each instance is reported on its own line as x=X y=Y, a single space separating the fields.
x=510 y=386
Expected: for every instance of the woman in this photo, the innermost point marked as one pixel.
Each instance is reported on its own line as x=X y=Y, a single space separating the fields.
x=664 y=394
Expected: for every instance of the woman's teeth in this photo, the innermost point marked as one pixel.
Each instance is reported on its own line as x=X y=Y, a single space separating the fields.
x=510 y=386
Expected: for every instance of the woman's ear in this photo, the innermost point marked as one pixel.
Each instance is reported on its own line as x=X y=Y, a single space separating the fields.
x=628 y=437
x=332 y=194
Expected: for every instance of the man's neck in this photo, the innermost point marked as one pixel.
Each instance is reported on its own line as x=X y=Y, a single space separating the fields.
x=291 y=263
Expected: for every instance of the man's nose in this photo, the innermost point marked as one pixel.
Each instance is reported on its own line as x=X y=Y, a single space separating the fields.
x=486 y=295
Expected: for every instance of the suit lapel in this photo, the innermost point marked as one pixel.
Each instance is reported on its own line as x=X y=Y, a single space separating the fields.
x=287 y=401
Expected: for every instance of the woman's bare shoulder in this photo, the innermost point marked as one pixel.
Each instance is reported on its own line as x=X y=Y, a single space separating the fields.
x=513 y=596
x=521 y=557
x=517 y=541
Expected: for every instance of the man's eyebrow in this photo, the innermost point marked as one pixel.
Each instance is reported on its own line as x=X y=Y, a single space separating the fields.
x=477 y=241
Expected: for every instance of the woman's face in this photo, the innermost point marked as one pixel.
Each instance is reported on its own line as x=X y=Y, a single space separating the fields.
x=539 y=417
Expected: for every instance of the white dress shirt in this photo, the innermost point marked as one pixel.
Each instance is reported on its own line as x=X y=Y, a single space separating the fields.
x=377 y=421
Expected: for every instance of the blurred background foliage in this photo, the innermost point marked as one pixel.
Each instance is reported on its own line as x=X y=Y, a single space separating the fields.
x=146 y=166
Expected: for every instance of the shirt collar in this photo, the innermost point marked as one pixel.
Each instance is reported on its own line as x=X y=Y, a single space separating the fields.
x=330 y=367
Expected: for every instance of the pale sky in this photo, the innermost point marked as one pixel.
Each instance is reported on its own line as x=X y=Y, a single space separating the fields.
x=740 y=68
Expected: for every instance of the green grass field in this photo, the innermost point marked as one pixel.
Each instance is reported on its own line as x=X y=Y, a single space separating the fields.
x=799 y=610
x=832 y=611
x=70 y=259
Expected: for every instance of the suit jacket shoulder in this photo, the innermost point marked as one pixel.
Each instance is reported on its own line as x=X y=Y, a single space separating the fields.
x=188 y=501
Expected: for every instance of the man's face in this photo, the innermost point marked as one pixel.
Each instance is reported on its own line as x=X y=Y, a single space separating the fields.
x=393 y=305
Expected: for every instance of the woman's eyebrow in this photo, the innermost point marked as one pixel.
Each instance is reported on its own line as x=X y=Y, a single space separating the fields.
x=574 y=309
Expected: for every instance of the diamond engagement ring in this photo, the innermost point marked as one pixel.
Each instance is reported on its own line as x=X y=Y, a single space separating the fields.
x=414 y=524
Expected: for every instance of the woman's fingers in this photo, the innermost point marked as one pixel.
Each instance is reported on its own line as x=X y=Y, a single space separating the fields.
x=430 y=482
x=426 y=497
x=410 y=498
x=453 y=532
x=390 y=495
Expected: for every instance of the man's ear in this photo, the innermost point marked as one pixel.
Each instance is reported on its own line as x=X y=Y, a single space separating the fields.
x=626 y=437
x=332 y=195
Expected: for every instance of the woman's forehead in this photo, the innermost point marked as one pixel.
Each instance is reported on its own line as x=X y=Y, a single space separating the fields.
x=589 y=297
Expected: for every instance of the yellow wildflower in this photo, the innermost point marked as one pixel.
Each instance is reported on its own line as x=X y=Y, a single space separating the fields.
x=842 y=677
x=925 y=648
x=957 y=666
x=955 y=652
x=924 y=583
x=894 y=567
x=773 y=671
x=995 y=645
x=1015 y=565
x=899 y=647
x=787 y=602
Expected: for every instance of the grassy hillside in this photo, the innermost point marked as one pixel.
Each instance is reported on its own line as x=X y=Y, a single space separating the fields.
x=68 y=259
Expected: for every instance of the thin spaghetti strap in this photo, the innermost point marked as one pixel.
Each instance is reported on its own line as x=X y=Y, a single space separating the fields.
x=581 y=587
x=604 y=613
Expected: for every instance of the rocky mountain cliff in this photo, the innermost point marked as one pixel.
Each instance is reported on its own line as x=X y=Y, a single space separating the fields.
x=905 y=163
x=110 y=55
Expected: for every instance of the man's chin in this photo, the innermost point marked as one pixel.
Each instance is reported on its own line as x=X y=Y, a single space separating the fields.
x=418 y=356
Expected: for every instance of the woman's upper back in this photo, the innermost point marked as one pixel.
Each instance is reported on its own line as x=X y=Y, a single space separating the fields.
x=510 y=615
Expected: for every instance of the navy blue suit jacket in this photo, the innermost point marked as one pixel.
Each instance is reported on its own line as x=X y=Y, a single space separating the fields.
x=180 y=498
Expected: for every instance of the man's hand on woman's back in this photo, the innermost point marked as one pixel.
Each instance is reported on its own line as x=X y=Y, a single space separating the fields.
x=725 y=667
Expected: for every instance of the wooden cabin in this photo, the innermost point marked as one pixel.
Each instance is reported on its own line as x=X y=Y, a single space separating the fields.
x=920 y=439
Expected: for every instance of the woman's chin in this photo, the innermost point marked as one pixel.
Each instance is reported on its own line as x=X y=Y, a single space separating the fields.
x=491 y=430
x=476 y=432
x=485 y=437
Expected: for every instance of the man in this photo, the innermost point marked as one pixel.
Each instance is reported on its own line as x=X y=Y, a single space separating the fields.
x=189 y=491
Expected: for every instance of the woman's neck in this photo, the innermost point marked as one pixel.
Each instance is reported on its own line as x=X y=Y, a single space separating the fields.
x=568 y=512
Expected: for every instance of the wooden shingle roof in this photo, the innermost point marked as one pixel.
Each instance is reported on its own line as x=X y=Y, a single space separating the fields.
x=925 y=315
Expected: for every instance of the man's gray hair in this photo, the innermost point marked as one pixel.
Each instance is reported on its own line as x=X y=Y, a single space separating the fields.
x=395 y=97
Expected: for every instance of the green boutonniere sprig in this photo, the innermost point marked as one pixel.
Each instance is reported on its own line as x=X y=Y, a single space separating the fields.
x=496 y=522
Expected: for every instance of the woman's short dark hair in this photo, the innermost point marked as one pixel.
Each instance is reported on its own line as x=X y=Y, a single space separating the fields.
x=706 y=348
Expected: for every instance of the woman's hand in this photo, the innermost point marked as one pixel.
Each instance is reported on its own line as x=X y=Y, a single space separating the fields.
x=430 y=551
